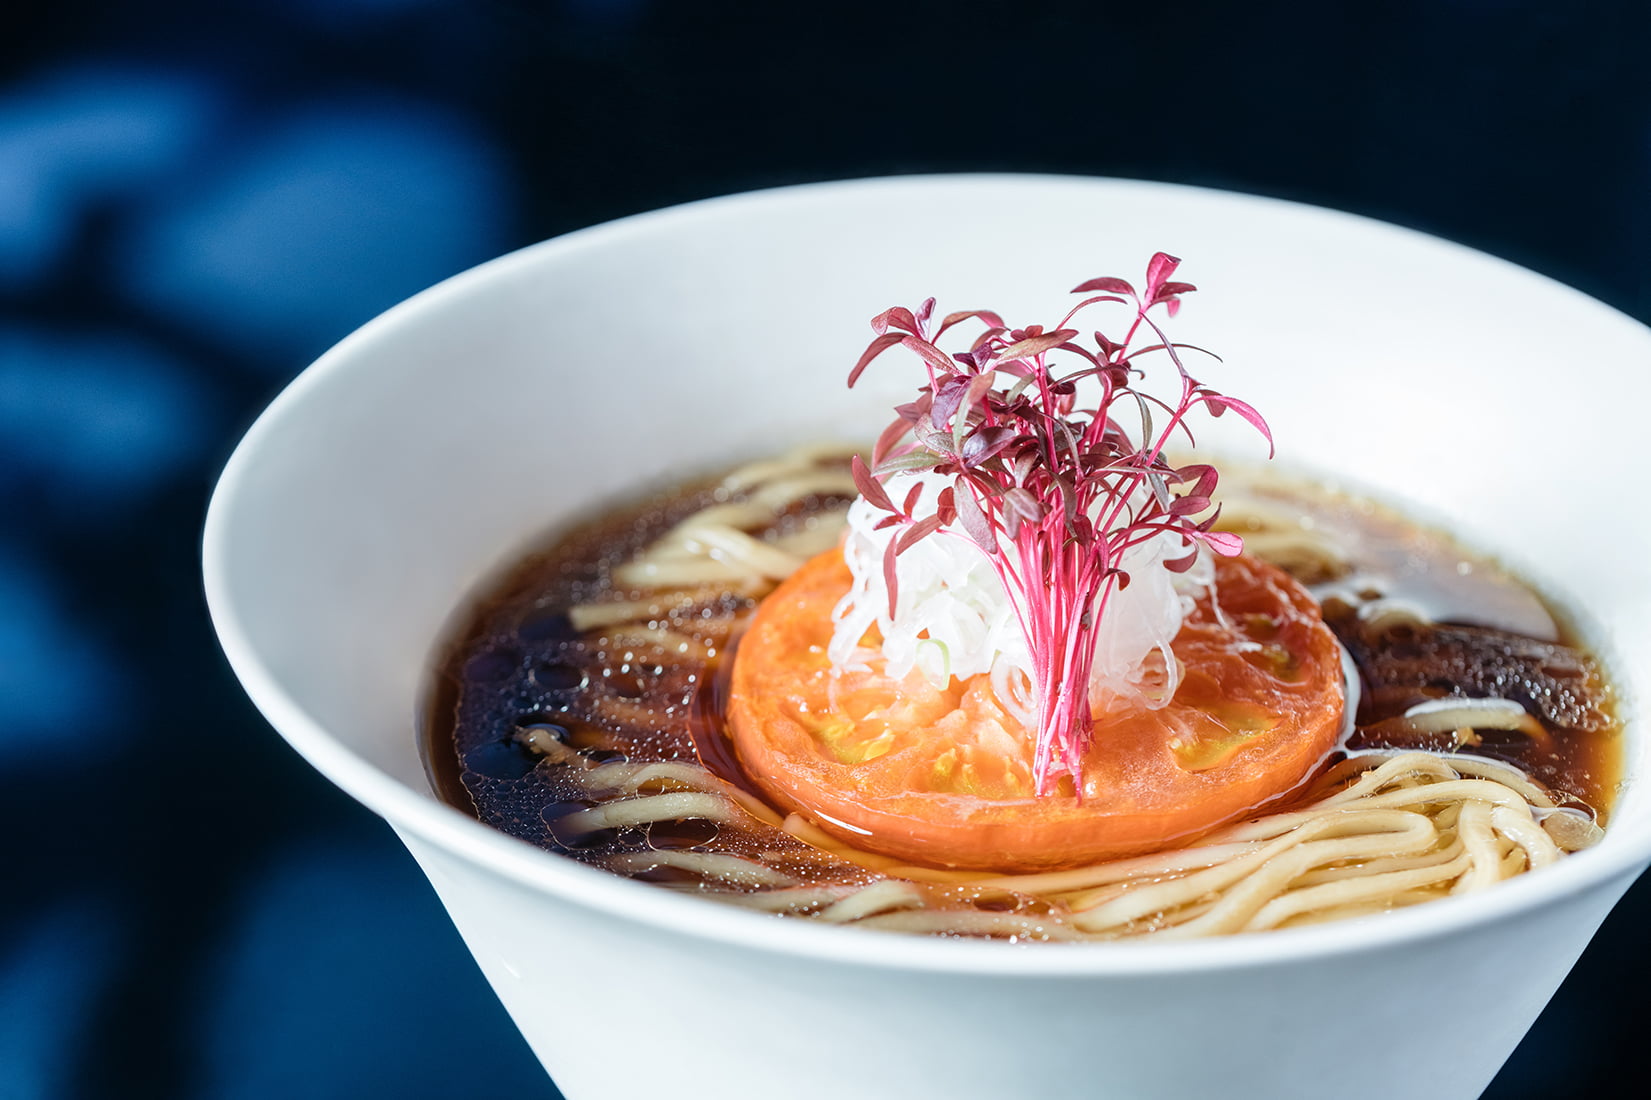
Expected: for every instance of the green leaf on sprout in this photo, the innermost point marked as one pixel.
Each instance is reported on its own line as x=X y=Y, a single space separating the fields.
x=912 y=460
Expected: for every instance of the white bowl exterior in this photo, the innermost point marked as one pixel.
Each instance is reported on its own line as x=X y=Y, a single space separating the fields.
x=715 y=1020
x=413 y=459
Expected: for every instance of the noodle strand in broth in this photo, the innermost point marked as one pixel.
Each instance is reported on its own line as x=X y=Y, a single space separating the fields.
x=620 y=762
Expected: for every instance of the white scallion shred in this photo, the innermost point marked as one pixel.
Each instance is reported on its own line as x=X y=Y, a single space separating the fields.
x=953 y=616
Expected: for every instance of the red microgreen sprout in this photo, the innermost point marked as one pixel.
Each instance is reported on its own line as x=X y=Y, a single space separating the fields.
x=1053 y=491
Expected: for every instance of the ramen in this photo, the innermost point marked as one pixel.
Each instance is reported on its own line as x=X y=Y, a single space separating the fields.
x=581 y=709
x=1020 y=676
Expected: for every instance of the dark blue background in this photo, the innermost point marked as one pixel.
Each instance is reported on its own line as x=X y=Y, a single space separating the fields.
x=196 y=198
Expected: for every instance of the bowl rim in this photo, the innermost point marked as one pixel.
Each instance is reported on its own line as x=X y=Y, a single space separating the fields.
x=421 y=815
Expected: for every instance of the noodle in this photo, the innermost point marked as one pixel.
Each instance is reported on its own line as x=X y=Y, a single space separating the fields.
x=712 y=865
x=1381 y=829
x=1411 y=824
x=715 y=544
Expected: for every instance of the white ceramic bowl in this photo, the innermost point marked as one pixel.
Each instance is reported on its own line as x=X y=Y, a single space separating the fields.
x=428 y=447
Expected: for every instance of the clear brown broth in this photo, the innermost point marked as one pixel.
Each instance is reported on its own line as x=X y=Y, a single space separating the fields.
x=517 y=663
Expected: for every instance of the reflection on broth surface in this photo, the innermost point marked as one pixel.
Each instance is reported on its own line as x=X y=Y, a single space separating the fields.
x=581 y=709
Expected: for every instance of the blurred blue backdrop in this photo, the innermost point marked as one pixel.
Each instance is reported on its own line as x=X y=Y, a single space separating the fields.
x=195 y=199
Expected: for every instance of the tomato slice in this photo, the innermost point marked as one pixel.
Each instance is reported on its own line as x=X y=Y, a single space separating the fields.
x=943 y=777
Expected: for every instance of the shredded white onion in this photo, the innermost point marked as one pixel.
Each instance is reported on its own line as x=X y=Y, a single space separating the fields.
x=954 y=618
